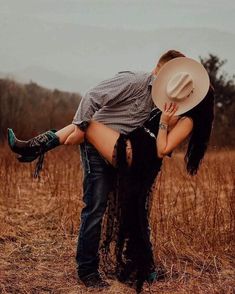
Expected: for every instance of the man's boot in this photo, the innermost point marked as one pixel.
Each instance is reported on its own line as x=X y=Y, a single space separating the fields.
x=95 y=281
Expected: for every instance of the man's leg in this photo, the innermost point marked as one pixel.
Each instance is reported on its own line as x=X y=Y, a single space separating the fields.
x=97 y=183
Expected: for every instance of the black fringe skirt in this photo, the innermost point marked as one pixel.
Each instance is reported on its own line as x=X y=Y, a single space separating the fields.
x=126 y=250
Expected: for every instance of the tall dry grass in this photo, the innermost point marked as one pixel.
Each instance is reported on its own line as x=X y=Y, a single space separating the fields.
x=192 y=225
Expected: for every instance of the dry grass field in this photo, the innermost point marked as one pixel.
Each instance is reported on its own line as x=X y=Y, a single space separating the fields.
x=192 y=221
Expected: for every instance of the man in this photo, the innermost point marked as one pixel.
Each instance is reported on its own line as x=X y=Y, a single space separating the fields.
x=123 y=102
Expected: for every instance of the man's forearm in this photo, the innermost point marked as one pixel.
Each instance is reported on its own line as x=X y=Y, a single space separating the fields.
x=75 y=138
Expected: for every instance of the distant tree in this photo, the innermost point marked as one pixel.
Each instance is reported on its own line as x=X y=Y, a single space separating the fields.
x=224 y=126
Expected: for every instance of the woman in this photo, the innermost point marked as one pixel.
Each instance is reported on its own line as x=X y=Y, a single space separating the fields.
x=181 y=92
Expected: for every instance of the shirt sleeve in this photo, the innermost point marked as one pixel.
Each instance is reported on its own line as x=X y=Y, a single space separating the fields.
x=109 y=91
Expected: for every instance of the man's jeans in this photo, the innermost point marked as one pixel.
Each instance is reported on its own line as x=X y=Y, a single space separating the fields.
x=97 y=183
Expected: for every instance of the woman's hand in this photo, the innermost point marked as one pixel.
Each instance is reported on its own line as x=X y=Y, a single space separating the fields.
x=169 y=111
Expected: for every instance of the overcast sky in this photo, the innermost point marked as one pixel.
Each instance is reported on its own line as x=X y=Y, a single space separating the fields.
x=73 y=44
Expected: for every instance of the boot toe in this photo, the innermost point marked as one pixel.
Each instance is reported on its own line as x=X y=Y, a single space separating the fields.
x=11 y=137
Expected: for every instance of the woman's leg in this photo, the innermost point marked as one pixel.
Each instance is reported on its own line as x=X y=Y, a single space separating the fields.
x=50 y=139
x=102 y=138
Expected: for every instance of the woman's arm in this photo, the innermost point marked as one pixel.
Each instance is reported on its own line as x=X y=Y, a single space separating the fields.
x=167 y=142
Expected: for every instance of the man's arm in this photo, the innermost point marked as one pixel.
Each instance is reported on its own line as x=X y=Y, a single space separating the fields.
x=108 y=91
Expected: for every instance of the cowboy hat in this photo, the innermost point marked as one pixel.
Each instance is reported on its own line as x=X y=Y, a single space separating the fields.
x=181 y=80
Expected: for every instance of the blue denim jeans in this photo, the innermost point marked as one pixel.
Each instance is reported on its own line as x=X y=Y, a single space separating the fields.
x=98 y=179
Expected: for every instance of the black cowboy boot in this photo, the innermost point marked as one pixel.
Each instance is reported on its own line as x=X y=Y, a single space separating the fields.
x=31 y=149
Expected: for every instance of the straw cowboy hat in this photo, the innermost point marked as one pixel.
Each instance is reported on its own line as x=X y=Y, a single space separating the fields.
x=181 y=80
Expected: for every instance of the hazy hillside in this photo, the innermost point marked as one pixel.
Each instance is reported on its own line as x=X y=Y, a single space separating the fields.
x=90 y=60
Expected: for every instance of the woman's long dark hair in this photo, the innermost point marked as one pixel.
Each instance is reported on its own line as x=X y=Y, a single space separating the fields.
x=202 y=116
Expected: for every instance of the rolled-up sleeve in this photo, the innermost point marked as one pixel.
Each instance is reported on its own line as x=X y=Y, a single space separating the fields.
x=105 y=93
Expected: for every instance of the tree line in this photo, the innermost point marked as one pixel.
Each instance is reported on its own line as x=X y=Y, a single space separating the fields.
x=224 y=124
x=30 y=109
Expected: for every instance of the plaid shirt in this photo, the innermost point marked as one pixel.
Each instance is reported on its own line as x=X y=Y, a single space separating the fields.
x=123 y=102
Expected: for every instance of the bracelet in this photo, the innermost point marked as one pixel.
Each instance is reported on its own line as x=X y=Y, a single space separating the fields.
x=162 y=126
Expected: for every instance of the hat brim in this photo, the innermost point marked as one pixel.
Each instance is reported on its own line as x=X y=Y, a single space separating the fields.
x=201 y=83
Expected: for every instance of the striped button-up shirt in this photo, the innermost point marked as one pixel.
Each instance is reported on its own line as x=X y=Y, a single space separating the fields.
x=123 y=102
